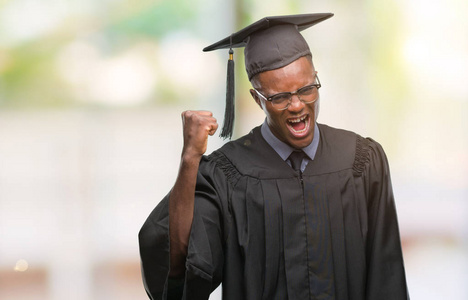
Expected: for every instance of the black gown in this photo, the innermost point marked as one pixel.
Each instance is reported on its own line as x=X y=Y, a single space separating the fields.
x=268 y=232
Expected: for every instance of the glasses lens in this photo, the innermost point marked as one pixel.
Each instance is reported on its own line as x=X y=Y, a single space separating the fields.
x=308 y=93
x=280 y=101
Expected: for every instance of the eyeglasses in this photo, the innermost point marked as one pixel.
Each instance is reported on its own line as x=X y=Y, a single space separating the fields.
x=306 y=94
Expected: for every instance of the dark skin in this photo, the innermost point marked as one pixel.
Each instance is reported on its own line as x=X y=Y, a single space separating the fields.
x=198 y=125
x=289 y=78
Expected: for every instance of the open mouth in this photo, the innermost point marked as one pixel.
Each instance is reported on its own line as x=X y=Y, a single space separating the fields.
x=299 y=126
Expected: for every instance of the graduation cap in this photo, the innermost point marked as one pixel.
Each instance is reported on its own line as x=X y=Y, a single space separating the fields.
x=270 y=43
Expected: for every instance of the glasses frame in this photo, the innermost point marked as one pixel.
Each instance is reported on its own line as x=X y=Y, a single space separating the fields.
x=318 y=85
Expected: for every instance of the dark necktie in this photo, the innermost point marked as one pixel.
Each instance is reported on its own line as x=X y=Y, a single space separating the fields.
x=296 y=158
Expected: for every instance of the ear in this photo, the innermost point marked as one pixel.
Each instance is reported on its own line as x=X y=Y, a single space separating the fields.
x=256 y=98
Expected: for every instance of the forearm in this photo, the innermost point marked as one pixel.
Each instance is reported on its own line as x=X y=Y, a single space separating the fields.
x=181 y=205
x=197 y=126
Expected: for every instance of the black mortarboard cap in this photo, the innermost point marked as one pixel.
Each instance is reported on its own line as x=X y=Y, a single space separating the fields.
x=270 y=43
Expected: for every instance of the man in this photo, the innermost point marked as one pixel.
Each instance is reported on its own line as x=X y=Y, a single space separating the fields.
x=293 y=210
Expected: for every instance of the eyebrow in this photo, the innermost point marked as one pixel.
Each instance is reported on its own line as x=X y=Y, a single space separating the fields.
x=289 y=92
x=268 y=96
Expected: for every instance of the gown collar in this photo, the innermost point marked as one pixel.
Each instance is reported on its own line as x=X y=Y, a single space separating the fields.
x=283 y=149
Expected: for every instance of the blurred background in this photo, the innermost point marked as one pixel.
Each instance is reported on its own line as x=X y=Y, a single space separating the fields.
x=90 y=133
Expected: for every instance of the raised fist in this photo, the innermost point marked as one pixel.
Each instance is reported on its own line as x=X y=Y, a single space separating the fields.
x=197 y=125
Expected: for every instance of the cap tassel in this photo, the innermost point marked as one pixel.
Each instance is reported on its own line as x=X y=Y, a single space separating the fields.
x=230 y=106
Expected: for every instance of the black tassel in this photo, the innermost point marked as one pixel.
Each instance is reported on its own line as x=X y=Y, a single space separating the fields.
x=230 y=106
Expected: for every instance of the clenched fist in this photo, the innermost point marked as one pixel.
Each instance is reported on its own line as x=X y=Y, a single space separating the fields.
x=197 y=125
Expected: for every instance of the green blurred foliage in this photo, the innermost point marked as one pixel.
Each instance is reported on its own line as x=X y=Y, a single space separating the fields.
x=153 y=19
x=29 y=78
x=387 y=77
x=28 y=70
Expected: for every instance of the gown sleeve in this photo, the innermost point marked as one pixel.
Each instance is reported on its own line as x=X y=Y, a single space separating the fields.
x=385 y=269
x=204 y=262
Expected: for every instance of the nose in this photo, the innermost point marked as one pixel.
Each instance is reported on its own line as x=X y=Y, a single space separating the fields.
x=296 y=104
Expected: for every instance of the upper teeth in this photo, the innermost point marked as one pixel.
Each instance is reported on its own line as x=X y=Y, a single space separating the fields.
x=298 y=119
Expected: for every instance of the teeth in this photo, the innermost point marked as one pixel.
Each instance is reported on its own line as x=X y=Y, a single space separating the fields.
x=293 y=121
x=298 y=119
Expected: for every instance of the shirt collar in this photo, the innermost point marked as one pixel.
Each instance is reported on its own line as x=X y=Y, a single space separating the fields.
x=283 y=149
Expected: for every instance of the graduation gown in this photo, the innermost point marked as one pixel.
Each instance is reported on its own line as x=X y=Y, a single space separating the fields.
x=268 y=232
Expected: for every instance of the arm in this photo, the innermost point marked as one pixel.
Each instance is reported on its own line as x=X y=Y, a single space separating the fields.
x=197 y=125
x=385 y=271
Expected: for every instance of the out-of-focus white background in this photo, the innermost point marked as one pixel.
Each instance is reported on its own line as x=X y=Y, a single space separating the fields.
x=90 y=132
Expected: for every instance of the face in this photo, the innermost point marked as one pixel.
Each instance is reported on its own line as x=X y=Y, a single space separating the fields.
x=294 y=125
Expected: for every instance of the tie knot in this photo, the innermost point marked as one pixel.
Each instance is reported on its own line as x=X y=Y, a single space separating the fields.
x=296 y=158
